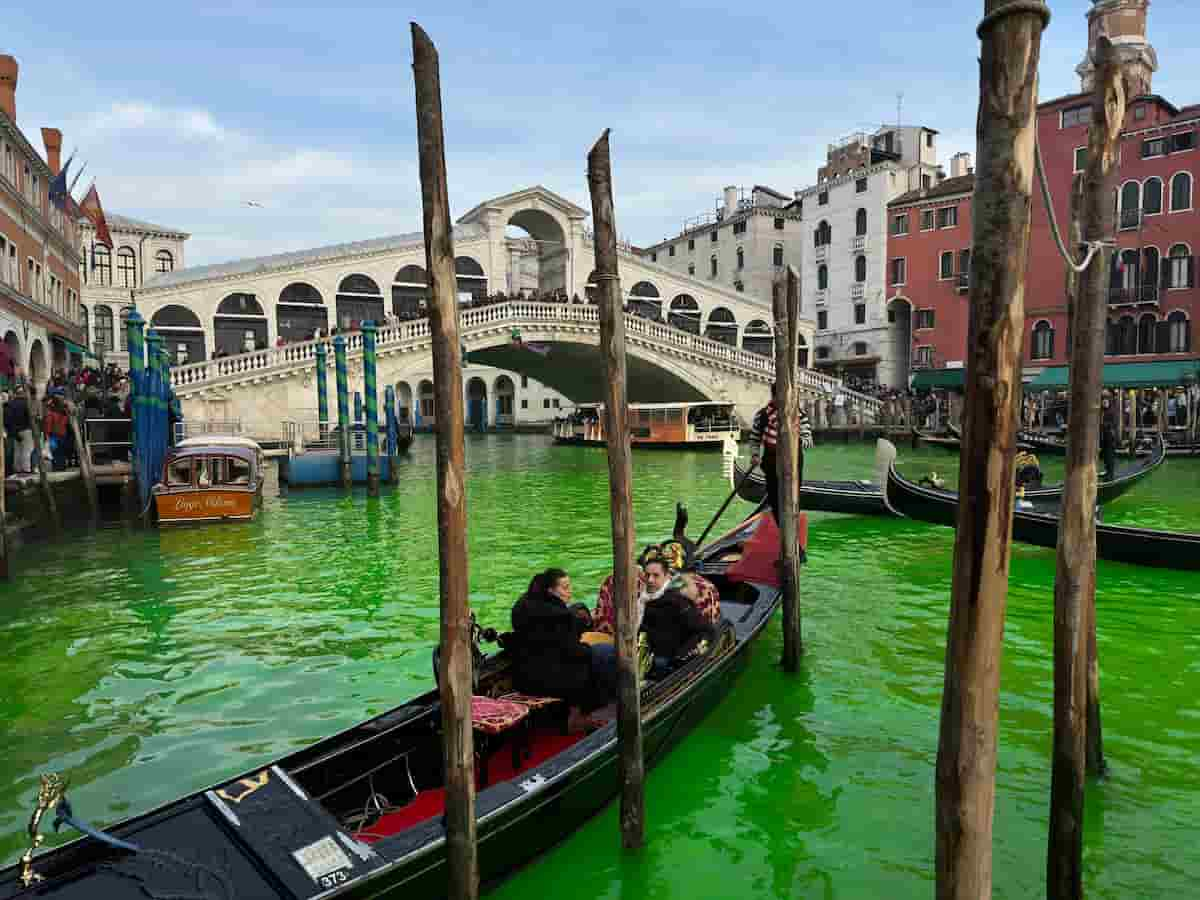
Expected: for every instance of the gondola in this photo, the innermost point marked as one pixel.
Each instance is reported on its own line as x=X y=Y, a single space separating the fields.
x=360 y=814
x=865 y=497
x=1038 y=523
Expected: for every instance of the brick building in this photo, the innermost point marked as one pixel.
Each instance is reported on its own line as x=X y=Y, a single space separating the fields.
x=39 y=255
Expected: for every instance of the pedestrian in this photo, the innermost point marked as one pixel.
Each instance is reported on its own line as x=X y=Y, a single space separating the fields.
x=764 y=436
x=1108 y=442
x=19 y=424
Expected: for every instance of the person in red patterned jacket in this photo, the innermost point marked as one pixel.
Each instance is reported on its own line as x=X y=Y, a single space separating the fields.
x=763 y=437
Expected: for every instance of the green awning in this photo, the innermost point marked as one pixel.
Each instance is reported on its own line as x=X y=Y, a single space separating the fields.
x=71 y=346
x=1166 y=373
x=938 y=378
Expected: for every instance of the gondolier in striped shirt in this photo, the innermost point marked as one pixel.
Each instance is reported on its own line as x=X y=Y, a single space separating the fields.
x=764 y=436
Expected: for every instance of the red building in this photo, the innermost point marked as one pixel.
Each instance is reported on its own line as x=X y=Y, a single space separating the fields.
x=1153 y=299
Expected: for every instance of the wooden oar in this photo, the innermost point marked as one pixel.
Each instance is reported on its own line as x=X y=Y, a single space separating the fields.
x=724 y=506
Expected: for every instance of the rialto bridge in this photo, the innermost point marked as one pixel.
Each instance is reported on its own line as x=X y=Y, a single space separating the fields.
x=711 y=342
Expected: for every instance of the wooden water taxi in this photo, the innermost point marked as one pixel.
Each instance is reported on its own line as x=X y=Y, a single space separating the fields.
x=662 y=426
x=211 y=478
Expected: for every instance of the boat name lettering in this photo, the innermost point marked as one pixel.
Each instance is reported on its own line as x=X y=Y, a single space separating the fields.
x=324 y=861
x=210 y=501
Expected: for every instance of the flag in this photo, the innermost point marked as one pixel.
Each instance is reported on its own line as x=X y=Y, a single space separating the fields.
x=91 y=208
x=59 y=192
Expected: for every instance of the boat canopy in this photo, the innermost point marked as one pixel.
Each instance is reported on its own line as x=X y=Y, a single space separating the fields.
x=218 y=440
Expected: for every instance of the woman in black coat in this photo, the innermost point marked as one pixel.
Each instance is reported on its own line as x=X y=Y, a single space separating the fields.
x=548 y=658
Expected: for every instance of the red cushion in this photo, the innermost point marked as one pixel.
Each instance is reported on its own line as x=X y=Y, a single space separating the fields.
x=494 y=716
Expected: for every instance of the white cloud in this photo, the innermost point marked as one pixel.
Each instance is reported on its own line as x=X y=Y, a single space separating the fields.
x=136 y=116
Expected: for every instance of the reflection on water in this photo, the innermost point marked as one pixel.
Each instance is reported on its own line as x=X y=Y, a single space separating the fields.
x=150 y=663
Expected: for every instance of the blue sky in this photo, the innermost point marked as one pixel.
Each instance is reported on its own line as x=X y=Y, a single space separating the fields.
x=185 y=111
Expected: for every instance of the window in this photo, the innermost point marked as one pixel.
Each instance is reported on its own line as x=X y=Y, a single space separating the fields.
x=713 y=235
x=947 y=217
x=557 y=404
x=860 y=268
x=692 y=269
x=691 y=244
x=524 y=381
x=927 y=220
x=964 y=262
x=929 y=139
x=823 y=236
x=923 y=357
x=739 y=227
x=823 y=198
x=1080 y=159
x=822 y=277
x=1077 y=115
x=899 y=270
x=1181 y=192
x=123 y=325
x=926 y=182
x=946 y=265
x=860 y=186
x=777 y=256
x=1146 y=333
x=1139 y=112
x=1179 y=271
x=546 y=403
x=924 y=318
x=860 y=348
x=860 y=314
x=739 y=286
x=524 y=403
x=779 y=223
x=126 y=267
x=822 y=319
x=860 y=223
x=653 y=257
x=1150 y=274
x=1181 y=142
x=1179 y=333
x=1130 y=201
x=900 y=224
x=179 y=473
x=712 y=262
x=671 y=250
x=741 y=259
x=104 y=328
x=1152 y=196
x=164 y=261
x=1043 y=340
x=1154 y=147
x=822 y=353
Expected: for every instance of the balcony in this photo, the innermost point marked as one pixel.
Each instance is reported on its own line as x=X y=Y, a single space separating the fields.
x=1129 y=219
x=858 y=243
x=1126 y=296
x=858 y=290
x=821 y=253
x=822 y=296
x=964 y=282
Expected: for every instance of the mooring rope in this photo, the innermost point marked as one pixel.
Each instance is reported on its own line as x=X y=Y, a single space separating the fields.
x=1093 y=247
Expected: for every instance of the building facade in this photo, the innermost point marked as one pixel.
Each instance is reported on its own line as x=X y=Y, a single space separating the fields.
x=141 y=252
x=845 y=280
x=40 y=318
x=745 y=244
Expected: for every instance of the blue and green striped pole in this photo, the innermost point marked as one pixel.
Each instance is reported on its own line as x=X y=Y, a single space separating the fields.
x=343 y=403
x=368 y=332
x=135 y=341
x=322 y=392
x=152 y=438
x=389 y=404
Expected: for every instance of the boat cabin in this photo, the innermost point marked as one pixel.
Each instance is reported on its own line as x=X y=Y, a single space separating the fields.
x=210 y=478
x=681 y=426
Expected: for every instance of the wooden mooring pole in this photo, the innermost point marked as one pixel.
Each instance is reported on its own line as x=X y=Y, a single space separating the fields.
x=1075 y=577
x=966 y=762
x=3 y=504
x=454 y=665
x=85 y=464
x=630 y=765
x=786 y=307
x=35 y=420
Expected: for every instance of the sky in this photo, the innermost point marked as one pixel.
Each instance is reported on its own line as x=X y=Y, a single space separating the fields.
x=184 y=112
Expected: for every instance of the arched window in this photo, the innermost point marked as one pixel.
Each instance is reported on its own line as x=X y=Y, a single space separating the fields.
x=183 y=335
x=712 y=267
x=823 y=235
x=358 y=300
x=741 y=258
x=1145 y=338
x=1126 y=336
x=83 y=324
x=239 y=325
x=1112 y=339
x=1181 y=192
x=860 y=268
x=470 y=278
x=1124 y=276
x=104 y=328
x=1130 y=201
x=300 y=292
x=721 y=326
x=410 y=291
x=1152 y=198
x=102 y=265
x=1150 y=276
x=1043 y=340
x=126 y=267
x=684 y=313
x=1179 y=333
x=123 y=329
x=644 y=300
x=164 y=261
x=822 y=277
x=860 y=222
x=1179 y=272
x=757 y=338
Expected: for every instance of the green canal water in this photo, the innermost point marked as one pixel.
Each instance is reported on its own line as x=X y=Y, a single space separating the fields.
x=148 y=664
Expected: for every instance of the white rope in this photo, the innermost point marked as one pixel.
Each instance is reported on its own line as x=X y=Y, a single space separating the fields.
x=1093 y=247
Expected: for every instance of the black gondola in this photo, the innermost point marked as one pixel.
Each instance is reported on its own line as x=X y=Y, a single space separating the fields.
x=1038 y=524
x=312 y=824
x=866 y=498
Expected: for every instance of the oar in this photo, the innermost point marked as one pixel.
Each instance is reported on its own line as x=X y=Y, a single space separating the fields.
x=724 y=506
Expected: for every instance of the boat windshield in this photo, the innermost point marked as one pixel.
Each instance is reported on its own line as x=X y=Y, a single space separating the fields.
x=217 y=470
x=179 y=472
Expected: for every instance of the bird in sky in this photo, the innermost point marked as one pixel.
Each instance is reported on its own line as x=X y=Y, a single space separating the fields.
x=253 y=203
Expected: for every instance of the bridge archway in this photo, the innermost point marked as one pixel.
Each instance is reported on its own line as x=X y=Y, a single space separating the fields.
x=685 y=313
x=721 y=326
x=300 y=311
x=477 y=411
x=757 y=337
x=410 y=292
x=37 y=366
x=545 y=267
x=358 y=300
x=183 y=335
x=239 y=321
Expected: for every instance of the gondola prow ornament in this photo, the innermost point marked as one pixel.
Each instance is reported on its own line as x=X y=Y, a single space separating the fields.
x=50 y=792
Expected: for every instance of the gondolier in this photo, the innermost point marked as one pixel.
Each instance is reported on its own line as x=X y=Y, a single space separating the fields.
x=763 y=438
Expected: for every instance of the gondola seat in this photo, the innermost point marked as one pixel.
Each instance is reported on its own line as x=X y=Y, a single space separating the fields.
x=492 y=718
x=708 y=601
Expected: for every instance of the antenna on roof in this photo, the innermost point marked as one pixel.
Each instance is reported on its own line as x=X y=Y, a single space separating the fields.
x=899 y=107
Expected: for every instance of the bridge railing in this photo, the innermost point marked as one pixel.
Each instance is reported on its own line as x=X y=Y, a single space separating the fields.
x=487 y=317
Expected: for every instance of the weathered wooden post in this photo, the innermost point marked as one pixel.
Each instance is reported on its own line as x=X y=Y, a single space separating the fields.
x=35 y=420
x=3 y=504
x=85 y=464
x=342 y=377
x=322 y=392
x=1075 y=578
x=368 y=333
x=785 y=298
x=454 y=675
x=966 y=762
x=630 y=764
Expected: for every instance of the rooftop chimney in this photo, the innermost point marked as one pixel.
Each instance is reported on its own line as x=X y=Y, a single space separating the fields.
x=730 y=200
x=52 y=140
x=960 y=164
x=8 y=86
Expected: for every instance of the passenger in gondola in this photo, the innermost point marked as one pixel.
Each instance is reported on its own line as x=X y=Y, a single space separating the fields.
x=1028 y=470
x=671 y=621
x=549 y=658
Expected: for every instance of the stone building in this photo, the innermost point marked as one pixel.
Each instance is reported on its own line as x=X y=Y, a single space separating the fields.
x=39 y=251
